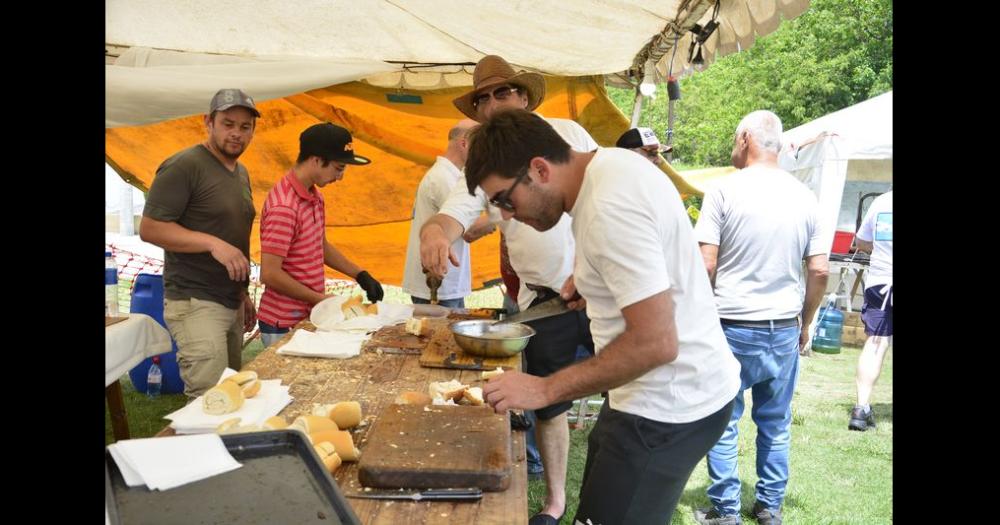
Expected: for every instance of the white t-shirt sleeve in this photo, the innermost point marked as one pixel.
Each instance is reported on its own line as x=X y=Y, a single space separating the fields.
x=708 y=229
x=624 y=249
x=463 y=207
x=816 y=245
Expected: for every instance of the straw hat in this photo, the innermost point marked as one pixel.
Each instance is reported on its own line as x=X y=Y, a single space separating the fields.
x=493 y=70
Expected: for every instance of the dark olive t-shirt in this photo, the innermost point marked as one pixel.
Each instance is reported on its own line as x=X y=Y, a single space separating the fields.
x=194 y=189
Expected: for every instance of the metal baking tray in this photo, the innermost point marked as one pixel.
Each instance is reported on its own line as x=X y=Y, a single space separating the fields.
x=282 y=480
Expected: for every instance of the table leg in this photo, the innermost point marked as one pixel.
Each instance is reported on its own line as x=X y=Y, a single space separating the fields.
x=119 y=421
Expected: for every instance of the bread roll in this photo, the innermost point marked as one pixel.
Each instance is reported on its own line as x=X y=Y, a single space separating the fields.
x=413 y=398
x=353 y=308
x=489 y=374
x=328 y=454
x=228 y=425
x=222 y=399
x=417 y=326
x=346 y=414
x=275 y=423
x=341 y=440
x=310 y=423
x=248 y=382
x=474 y=396
x=447 y=389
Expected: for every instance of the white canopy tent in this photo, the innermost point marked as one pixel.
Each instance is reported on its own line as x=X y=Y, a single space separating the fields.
x=167 y=58
x=841 y=154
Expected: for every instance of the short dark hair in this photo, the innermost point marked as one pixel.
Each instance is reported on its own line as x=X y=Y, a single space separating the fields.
x=305 y=156
x=506 y=143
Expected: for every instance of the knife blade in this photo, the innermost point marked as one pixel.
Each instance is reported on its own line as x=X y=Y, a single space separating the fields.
x=554 y=306
x=419 y=495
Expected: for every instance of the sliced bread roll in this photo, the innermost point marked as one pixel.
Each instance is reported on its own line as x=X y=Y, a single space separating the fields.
x=247 y=381
x=346 y=414
x=489 y=374
x=311 y=423
x=275 y=423
x=222 y=399
x=413 y=398
x=328 y=454
x=417 y=326
x=226 y=426
x=447 y=389
x=353 y=308
x=341 y=440
x=473 y=396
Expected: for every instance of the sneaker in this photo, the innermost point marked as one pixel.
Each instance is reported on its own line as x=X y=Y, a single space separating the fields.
x=766 y=516
x=861 y=420
x=712 y=517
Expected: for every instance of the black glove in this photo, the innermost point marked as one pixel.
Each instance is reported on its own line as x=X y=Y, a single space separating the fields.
x=371 y=287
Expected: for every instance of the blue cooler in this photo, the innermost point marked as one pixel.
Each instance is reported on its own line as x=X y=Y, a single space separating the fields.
x=147 y=298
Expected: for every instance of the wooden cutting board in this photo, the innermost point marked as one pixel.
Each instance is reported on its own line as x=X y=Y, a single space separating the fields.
x=440 y=447
x=443 y=352
x=395 y=336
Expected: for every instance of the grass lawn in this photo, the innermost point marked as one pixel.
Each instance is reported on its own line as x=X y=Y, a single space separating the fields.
x=837 y=476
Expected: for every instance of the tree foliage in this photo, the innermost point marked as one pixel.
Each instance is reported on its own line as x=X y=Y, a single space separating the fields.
x=836 y=54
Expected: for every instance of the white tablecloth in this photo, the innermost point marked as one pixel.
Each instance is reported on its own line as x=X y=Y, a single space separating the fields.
x=128 y=342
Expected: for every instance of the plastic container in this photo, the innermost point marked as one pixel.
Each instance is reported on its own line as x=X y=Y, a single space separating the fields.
x=147 y=298
x=154 y=378
x=842 y=241
x=829 y=330
x=110 y=286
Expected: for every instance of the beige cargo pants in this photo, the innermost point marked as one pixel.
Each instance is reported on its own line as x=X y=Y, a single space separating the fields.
x=209 y=337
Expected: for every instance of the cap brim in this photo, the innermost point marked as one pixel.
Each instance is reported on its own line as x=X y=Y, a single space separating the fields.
x=357 y=160
x=665 y=148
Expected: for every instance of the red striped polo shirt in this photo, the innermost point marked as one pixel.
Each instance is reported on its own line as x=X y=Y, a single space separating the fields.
x=291 y=226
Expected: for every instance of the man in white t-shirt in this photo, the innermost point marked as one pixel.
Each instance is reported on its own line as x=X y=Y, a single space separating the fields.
x=431 y=194
x=875 y=237
x=754 y=231
x=542 y=261
x=661 y=354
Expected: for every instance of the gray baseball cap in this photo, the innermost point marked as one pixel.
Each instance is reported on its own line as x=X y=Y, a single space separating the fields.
x=227 y=98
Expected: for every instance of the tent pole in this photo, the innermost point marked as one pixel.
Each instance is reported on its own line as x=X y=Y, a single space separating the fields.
x=636 y=108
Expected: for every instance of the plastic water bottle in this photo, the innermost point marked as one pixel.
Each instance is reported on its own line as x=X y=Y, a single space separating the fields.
x=154 y=379
x=829 y=329
x=110 y=286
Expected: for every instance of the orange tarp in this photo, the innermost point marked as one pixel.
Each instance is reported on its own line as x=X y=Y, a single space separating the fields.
x=368 y=212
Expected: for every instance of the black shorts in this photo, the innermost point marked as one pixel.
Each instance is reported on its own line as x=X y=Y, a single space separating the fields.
x=878 y=320
x=553 y=347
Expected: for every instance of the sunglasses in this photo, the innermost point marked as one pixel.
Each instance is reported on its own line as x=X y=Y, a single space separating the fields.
x=502 y=199
x=500 y=93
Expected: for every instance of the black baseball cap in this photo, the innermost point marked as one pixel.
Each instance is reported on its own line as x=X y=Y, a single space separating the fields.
x=330 y=142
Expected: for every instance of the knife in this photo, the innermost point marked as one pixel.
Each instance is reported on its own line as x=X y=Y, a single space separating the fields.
x=418 y=495
x=554 y=306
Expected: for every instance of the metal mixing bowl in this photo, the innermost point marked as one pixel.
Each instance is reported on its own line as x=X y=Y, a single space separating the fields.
x=481 y=337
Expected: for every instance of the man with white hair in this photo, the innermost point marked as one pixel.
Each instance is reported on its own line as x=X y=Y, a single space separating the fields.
x=755 y=229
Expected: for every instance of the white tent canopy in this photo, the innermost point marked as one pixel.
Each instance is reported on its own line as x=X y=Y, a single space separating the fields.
x=842 y=154
x=275 y=48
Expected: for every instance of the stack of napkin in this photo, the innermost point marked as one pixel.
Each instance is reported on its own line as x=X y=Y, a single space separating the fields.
x=165 y=463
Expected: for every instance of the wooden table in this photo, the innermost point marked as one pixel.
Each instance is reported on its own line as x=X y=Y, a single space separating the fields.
x=375 y=379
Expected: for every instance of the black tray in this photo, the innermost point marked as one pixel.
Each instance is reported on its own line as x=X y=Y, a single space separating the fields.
x=281 y=481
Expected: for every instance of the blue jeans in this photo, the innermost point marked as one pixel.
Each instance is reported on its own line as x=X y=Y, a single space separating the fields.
x=270 y=334
x=458 y=302
x=769 y=358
